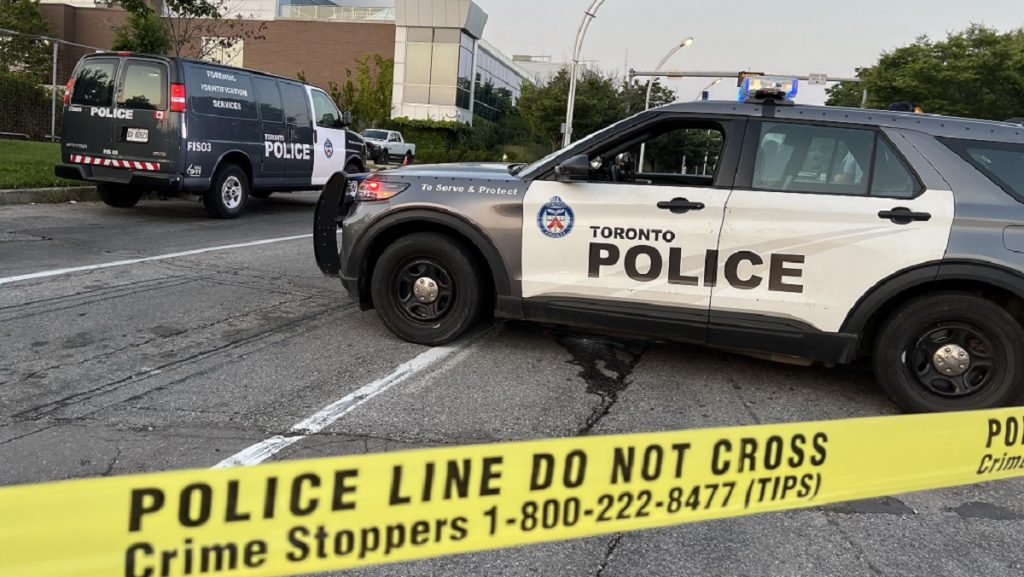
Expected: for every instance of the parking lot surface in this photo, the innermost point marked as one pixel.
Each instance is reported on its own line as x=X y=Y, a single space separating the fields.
x=187 y=361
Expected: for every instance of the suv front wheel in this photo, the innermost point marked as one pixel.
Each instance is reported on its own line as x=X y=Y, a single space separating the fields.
x=226 y=198
x=427 y=289
x=951 y=352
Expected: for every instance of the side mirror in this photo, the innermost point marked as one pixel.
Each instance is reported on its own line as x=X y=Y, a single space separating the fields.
x=573 y=168
x=346 y=119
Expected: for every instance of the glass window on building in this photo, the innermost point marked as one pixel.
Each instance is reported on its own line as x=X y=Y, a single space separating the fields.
x=438 y=67
x=497 y=86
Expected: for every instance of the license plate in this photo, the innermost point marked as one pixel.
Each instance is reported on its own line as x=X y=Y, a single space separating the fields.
x=137 y=135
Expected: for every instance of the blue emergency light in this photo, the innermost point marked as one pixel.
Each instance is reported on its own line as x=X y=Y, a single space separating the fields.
x=768 y=88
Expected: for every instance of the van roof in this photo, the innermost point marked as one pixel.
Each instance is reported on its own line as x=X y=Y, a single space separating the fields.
x=169 y=59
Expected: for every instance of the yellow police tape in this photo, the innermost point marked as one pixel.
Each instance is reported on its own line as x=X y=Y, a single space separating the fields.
x=305 y=516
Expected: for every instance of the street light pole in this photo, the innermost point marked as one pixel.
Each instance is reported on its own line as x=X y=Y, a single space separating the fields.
x=581 y=33
x=714 y=83
x=650 y=84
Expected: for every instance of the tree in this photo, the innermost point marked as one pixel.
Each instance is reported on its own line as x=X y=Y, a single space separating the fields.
x=143 y=32
x=200 y=28
x=849 y=94
x=634 y=94
x=597 y=105
x=366 y=91
x=24 y=53
x=978 y=73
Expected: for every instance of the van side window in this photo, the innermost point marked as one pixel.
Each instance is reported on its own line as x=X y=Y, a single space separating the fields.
x=324 y=111
x=143 y=86
x=270 y=99
x=296 y=108
x=94 y=84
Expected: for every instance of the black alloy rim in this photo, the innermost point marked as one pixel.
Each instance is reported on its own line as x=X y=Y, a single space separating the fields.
x=411 y=306
x=918 y=360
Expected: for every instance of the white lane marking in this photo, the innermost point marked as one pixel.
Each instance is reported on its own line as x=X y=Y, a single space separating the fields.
x=316 y=422
x=60 y=271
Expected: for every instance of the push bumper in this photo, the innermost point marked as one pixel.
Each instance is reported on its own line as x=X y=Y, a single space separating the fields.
x=120 y=176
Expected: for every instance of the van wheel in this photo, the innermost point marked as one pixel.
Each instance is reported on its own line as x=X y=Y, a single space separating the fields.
x=427 y=289
x=351 y=168
x=261 y=193
x=230 y=190
x=118 y=196
x=951 y=352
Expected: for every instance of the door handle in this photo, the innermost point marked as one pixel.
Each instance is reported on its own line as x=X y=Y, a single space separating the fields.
x=680 y=205
x=903 y=215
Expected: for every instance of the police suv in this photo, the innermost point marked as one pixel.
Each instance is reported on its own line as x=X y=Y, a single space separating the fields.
x=135 y=123
x=799 y=233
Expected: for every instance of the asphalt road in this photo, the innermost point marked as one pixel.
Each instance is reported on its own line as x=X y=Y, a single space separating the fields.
x=183 y=362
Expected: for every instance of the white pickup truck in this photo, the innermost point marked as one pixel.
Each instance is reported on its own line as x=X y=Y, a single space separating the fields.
x=384 y=146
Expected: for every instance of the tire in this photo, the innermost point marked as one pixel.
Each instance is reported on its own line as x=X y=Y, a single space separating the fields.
x=455 y=275
x=230 y=190
x=117 y=196
x=408 y=158
x=382 y=157
x=261 y=193
x=906 y=354
x=351 y=168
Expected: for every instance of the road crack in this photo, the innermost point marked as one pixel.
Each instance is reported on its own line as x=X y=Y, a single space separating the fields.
x=606 y=366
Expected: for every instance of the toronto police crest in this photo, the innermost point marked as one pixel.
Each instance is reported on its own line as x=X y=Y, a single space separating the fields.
x=328 y=148
x=555 y=218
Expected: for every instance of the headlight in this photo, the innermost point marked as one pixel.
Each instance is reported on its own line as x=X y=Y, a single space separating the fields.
x=372 y=189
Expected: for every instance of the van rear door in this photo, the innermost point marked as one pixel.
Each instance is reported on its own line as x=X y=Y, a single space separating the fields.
x=144 y=133
x=85 y=124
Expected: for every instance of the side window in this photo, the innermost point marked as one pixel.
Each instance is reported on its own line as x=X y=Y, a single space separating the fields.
x=296 y=109
x=805 y=158
x=324 y=111
x=891 y=176
x=143 y=86
x=94 y=83
x=673 y=152
x=692 y=151
x=269 y=98
x=1000 y=162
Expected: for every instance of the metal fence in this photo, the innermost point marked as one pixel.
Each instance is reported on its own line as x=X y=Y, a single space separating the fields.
x=33 y=73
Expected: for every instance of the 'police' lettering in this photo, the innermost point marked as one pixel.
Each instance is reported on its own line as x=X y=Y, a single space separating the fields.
x=121 y=113
x=288 y=150
x=646 y=263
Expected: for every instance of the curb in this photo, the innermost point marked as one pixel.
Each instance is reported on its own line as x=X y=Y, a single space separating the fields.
x=48 y=195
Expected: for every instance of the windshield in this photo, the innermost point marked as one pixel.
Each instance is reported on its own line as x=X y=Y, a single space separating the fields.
x=378 y=134
x=582 y=143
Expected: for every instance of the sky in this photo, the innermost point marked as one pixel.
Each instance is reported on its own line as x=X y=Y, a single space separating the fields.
x=780 y=36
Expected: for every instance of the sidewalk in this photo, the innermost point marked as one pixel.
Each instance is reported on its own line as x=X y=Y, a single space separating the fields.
x=48 y=195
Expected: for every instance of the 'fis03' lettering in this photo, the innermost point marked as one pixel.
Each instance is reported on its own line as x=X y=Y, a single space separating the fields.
x=646 y=263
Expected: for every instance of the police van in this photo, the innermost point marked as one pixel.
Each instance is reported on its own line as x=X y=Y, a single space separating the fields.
x=136 y=123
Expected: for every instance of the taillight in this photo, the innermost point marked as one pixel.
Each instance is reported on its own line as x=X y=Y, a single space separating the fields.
x=67 y=91
x=177 y=98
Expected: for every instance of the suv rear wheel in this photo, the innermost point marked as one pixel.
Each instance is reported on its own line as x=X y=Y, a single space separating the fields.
x=118 y=196
x=226 y=198
x=427 y=290
x=951 y=352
